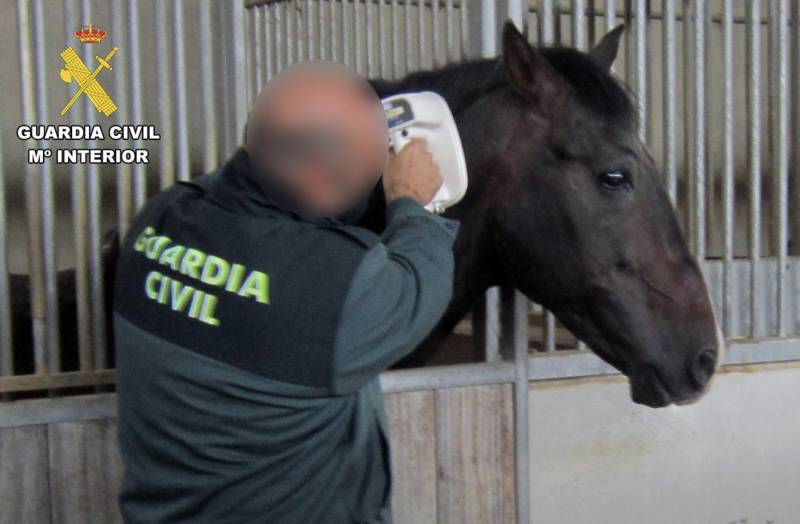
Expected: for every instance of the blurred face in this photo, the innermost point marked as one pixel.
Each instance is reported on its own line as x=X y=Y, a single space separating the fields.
x=318 y=134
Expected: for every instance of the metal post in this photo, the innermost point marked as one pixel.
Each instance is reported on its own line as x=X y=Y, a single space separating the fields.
x=753 y=26
x=166 y=165
x=210 y=143
x=670 y=99
x=181 y=116
x=6 y=334
x=137 y=109
x=728 y=181
x=700 y=13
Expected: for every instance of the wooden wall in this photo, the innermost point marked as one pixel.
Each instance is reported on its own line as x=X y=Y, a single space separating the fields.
x=452 y=459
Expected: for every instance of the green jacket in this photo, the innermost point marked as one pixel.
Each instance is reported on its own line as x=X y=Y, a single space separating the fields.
x=249 y=340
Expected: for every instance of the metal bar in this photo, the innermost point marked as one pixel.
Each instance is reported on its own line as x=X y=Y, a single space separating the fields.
x=181 y=115
x=521 y=427
x=382 y=40
x=780 y=150
x=239 y=103
x=6 y=334
x=728 y=181
x=137 y=108
x=255 y=52
x=207 y=74
x=370 y=40
x=346 y=32
x=47 y=200
x=95 y=203
x=359 y=36
x=119 y=28
x=408 y=33
x=642 y=98
x=492 y=324
x=421 y=34
x=450 y=30
x=795 y=188
x=546 y=20
x=166 y=165
x=699 y=174
x=396 y=72
x=465 y=38
x=754 y=154
x=452 y=376
x=436 y=32
x=32 y=192
x=269 y=47
x=578 y=24
x=78 y=194
x=310 y=47
x=488 y=29
x=324 y=43
x=549 y=331
x=668 y=45
x=610 y=17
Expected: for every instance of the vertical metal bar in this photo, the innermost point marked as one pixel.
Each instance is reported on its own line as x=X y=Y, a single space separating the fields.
x=370 y=40
x=669 y=98
x=382 y=40
x=166 y=165
x=324 y=45
x=436 y=33
x=255 y=51
x=78 y=190
x=465 y=38
x=780 y=151
x=396 y=71
x=515 y=13
x=181 y=116
x=53 y=345
x=492 y=324
x=546 y=20
x=753 y=26
x=578 y=24
x=279 y=44
x=292 y=42
x=450 y=30
x=359 y=36
x=334 y=22
x=310 y=47
x=238 y=70
x=795 y=180
x=207 y=74
x=32 y=192
x=642 y=22
x=699 y=48
x=549 y=332
x=95 y=197
x=421 y=33
x=610 y=15
x=287 y=32
x=137 y=108
x=119 y=26
x=728 y=181
x=521 y=409
x=409 y=35
x=6 y=334
x=269 y=47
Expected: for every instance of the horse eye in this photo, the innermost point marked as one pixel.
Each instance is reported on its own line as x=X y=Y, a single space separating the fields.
x=615 y=179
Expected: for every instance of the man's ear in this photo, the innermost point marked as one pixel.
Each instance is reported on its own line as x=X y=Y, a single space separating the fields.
x=605 y=52
x=530 y=72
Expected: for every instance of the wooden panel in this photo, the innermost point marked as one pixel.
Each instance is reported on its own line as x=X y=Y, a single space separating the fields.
x=475 y=451
x=413 y=443
x=85 y=472
x=24 y=490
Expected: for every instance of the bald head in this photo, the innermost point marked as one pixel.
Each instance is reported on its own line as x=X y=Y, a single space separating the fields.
x=318 y=132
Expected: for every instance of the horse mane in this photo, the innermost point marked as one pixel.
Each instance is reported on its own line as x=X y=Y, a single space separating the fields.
x=460 y=83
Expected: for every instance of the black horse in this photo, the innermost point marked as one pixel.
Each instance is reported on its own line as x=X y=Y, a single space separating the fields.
x=565 y=204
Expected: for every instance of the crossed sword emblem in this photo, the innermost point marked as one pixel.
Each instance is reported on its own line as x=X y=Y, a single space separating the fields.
x=76 y=71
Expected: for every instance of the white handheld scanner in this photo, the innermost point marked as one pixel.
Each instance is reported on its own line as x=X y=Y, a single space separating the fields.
x=427 y=115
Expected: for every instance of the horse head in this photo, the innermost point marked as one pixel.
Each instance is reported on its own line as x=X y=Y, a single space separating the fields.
x=565 y=204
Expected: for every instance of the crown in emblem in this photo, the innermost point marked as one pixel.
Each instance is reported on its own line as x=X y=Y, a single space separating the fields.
x=90 y=35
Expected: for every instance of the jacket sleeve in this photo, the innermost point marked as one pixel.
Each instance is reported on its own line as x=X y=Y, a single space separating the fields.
x=398 y=293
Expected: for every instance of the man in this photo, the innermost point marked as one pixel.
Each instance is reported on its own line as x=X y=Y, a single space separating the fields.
x=252 y=318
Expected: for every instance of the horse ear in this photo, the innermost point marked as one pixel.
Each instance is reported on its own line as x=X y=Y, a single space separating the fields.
x=530 y=72
x=605 y=52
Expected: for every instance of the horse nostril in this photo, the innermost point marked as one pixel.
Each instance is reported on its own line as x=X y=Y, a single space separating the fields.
x=703 y=366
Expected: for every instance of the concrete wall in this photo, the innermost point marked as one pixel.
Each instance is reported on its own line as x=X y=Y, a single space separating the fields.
x=733 y=457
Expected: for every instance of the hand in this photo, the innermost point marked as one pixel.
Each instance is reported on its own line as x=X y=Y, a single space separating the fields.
x=411 y=173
